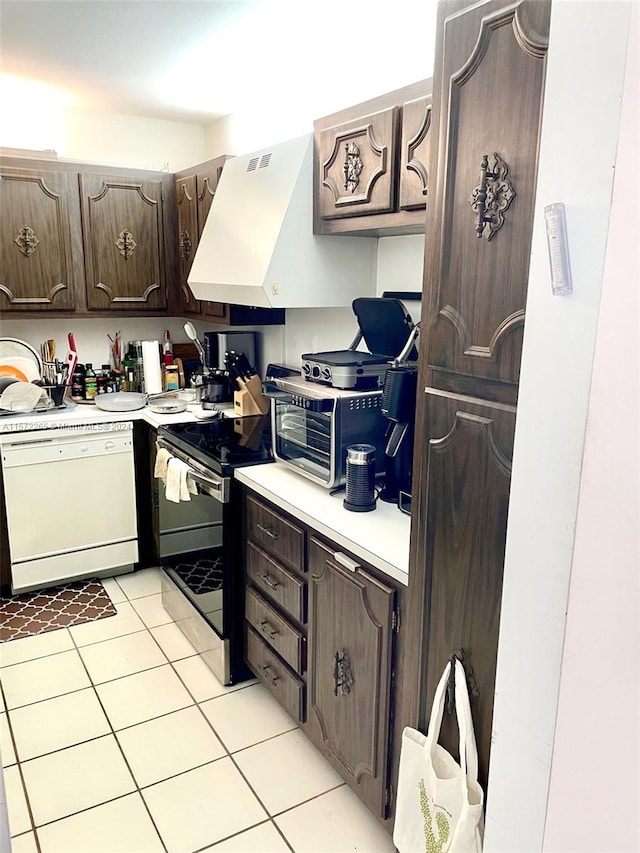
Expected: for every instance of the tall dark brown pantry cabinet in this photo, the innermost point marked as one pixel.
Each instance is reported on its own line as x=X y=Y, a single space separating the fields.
x=487 y=106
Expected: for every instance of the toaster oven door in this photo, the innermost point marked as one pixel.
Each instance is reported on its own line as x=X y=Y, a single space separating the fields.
x=304 y=439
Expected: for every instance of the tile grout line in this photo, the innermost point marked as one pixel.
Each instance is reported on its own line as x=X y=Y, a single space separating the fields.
x=119 y=745
x=270 y=818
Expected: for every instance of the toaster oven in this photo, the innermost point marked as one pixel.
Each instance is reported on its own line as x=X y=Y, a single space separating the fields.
x=312 y=425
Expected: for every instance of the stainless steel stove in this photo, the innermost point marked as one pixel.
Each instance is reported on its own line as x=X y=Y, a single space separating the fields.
x=201 y=539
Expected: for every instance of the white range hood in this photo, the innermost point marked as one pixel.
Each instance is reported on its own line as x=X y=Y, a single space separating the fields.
x=258 y=246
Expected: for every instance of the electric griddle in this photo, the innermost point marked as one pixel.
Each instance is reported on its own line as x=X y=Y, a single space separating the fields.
x=385 y=327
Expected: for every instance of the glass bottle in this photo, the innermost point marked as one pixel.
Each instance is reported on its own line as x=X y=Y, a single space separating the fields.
x=90 y=382
x=167 y=348
x=77 y=383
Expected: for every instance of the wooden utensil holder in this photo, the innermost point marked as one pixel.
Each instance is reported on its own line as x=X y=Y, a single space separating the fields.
x=250 y=400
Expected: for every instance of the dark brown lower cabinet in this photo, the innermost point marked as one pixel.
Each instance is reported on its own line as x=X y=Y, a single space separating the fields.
x=349 y=673
x=469 y=448
x=321 y=631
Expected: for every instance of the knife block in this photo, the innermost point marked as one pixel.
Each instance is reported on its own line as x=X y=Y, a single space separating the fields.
x=250 y=400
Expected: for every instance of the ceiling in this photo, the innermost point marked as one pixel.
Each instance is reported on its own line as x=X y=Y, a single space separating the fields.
x=195 y=60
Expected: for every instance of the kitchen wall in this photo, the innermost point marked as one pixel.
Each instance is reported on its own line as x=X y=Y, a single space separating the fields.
x=563 y=553
x=101 y=137
x=596 y=764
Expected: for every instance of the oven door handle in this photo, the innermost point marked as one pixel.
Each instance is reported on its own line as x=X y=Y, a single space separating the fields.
x=205 y=481
x=218 y=488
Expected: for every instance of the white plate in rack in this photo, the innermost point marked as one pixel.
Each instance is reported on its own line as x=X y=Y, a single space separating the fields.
x=22 y=357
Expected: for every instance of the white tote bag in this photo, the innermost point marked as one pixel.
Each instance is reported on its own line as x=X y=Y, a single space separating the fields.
x=439 y=805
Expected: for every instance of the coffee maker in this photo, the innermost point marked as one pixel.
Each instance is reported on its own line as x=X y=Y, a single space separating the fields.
x=217 y=386
x=399 y=406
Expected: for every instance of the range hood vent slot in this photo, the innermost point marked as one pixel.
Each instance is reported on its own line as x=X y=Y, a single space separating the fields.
x=265 y=160
x=253 y=164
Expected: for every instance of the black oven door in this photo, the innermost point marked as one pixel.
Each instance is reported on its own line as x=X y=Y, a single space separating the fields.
x=202 y=587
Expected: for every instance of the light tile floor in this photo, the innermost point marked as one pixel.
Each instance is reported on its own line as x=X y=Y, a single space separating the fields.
x=116 y=738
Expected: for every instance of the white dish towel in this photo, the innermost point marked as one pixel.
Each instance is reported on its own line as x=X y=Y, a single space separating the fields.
x=162 y=461
x=179 y=486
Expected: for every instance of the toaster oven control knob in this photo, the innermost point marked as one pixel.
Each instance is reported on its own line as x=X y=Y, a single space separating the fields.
x=306 y=368
x=315 y=371
x=326 y=373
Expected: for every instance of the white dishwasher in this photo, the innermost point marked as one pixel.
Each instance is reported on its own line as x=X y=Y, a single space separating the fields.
x=70 y=502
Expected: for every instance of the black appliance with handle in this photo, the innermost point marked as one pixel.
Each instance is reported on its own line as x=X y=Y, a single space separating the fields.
x=384 y=325
x=202 y=585
x=399 y=406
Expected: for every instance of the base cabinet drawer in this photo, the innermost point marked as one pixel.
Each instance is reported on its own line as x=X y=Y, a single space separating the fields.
x=275 y=534
x=286 y=640
x=286 y=688
x=276 y=582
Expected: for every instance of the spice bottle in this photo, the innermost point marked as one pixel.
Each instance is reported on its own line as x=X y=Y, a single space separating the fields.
x=167 y=348
x=90 y=383
x=77 y=383
x=171 y=378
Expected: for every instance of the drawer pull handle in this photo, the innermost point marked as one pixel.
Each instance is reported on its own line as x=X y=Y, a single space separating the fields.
x=341 y=558
x=274 y=679
x=268 y=629
x=267 y=532
x=268 y=582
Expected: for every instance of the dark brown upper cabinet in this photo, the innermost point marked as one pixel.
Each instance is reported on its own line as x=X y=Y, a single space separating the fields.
x=195 y=190
x=123 y=231
x=187 y=202
x=370 y=165
x=414 y=154
x=481 y=220
x=40 y=252
x=358 y=163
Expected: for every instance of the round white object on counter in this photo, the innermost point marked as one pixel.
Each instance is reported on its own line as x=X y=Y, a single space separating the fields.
x=168 y=406
x=121 y=401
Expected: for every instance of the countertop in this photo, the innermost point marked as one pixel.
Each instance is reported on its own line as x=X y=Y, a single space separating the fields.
x=379 y=537
x=78 y=414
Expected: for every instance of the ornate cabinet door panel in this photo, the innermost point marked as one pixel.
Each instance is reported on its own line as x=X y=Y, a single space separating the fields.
x=349 y=671
x=187 y=239
x=36 y=258
x=358 y=166
x=206 y=185
x=493 y=72
x=414 y=149
x=469 y=447
x=123 y=243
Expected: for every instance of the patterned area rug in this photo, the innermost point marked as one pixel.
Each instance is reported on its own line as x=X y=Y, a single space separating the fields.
x=58 y=607
x=202 y=576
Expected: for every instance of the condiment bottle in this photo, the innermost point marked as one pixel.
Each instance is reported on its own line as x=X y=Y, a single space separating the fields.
x=171 y=378
x=77 y=383
x=167 y=348
x=90 y=382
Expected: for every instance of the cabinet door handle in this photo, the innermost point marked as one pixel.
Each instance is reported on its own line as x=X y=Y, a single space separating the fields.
x=267 y=532
x=274 y=679
x=268 y=629
x=341 y=558
x=268 y=582
x=343 y=679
